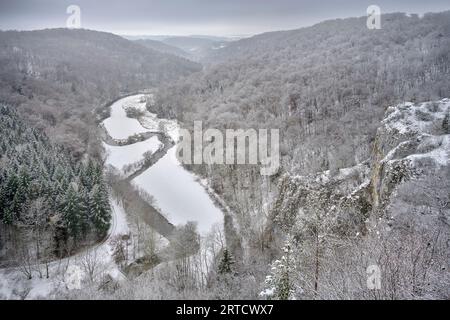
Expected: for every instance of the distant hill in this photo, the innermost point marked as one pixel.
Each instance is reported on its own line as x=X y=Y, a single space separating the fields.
x=198 y=47
x=164 y=48
x=162 y=37
x=338 y=34
x=58 y=76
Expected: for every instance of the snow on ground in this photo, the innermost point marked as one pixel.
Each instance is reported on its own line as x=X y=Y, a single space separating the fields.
x=151 y=122
x=118 y=125
x=120 y=156
x=69 y=273
x=176 y=191
x=413 y=118
x=441 y=155
x=171 y=127
x=420 y=123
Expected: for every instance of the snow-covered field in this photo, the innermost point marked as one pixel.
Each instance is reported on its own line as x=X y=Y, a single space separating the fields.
x=120 y=156
x=118 y=125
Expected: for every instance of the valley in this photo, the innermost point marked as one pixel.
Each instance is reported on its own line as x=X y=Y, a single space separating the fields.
x=108 y=189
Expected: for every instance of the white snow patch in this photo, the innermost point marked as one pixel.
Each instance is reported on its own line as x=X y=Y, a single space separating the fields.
x=406 y=117
x=151 y=122
x=440 y=155
x=419 y=121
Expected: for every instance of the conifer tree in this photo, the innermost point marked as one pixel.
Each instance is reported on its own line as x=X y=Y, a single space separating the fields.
x=282 y=284
x=100 y=210
x=9 y=199
x=72 y=210
x=446 y=123
x=226 y=263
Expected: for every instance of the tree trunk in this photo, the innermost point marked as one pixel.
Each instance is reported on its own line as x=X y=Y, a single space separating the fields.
x=316 y=272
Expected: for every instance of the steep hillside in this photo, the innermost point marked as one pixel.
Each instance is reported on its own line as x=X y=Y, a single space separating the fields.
x=58 y=76
x=326 y=88
x=412 y=146
x=338 y=36
x=50 y=204
x=393 y=209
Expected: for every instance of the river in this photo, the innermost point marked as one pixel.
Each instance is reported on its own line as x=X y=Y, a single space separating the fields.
x=177 y=193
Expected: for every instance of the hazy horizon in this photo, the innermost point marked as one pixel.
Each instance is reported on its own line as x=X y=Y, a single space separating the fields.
x=195 y=17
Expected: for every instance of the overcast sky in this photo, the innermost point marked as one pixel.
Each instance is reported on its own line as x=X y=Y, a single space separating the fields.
x=187 y=17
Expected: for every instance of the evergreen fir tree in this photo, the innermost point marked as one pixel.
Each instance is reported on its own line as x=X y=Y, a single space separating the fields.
x=22 y=196
x=72 y=210
x=8 y=198
x=281 y=284
x=100 y=210
x=85 y=219
x=446 y=123
x=226 y=263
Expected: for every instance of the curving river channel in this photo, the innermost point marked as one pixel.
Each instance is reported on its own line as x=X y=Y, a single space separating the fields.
x=177 y=193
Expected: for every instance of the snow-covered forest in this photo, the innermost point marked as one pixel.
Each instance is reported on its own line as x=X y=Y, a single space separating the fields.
x=328 y=88
x=50 y=204
x=95 y=204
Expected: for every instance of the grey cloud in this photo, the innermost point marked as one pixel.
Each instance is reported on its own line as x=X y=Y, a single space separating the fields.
x=195 y=16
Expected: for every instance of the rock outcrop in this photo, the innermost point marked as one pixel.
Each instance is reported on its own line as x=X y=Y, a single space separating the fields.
x=408 y=173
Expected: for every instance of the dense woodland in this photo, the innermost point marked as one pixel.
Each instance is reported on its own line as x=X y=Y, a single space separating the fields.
x=326 y=88
x=54 y=82
x=47 y=198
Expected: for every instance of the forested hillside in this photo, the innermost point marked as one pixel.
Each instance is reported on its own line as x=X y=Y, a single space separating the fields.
x=331 y=80
x=50 y=204
x=58 y=77
x=363 y=117
x=327 y=88
x=53 y=199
